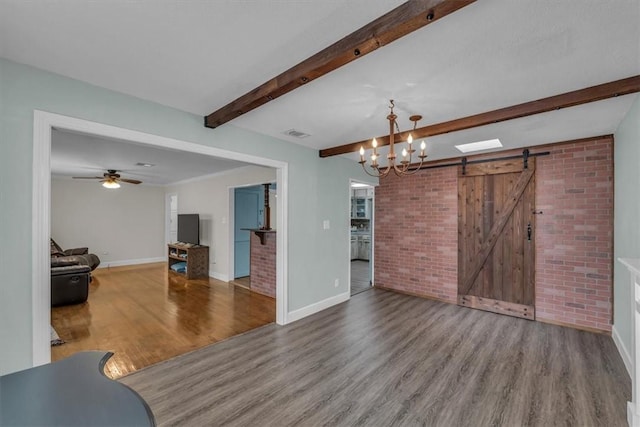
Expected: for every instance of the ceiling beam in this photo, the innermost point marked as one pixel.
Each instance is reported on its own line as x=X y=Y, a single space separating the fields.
x=569 y=99
x=406 y=18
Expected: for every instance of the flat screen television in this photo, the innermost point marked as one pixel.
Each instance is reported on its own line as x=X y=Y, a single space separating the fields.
x=189 y=228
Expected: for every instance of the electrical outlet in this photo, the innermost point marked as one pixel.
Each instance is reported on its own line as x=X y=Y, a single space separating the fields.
x=336 y=283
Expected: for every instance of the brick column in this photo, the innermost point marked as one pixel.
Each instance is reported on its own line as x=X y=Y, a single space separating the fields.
x=263 y=264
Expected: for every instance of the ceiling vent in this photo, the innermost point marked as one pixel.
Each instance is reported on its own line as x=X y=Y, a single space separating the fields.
x=296 y=133
x=145 y=165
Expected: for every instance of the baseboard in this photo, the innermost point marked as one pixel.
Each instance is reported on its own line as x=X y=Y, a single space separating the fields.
x=219 y=276
x=572 y=326
x=624 y=353
x=300 y=313
x=107 y=264
x=413 y=294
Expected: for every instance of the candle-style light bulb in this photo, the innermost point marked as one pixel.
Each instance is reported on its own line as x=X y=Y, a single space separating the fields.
x=410 y=139
x=374 y=143
x=423 y=146
x=404 y=153
x=361 y=154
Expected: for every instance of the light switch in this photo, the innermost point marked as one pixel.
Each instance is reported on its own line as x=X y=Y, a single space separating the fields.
x=325 y=224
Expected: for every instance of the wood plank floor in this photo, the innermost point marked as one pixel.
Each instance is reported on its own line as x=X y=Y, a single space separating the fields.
x=386 y=359
x=360 y=276
x=146 y=314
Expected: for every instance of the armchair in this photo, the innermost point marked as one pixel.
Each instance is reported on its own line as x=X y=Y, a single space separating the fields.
x=60 y=257
x=70 y=274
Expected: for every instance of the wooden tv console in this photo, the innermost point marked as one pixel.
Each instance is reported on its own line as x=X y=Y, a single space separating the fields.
x=196 y=257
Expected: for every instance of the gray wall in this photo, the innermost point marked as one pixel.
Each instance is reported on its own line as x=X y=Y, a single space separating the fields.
x=120 y=226
x=318 y=190
x=626 y=218
x=209 y=197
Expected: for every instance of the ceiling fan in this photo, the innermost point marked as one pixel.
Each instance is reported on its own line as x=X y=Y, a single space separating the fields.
x=110 y=179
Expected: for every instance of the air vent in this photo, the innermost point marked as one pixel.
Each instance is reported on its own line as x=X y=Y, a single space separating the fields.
x=296 y=133
x=146 y=165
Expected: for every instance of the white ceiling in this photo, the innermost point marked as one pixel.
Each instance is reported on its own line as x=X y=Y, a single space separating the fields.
x=76 y=154
x=197 y=56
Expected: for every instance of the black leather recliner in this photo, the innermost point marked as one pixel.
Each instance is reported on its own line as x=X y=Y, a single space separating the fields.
x=73 y=256
x=70 y=274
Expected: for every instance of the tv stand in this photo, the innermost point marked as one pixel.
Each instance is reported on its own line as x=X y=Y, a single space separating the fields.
x=196 y=257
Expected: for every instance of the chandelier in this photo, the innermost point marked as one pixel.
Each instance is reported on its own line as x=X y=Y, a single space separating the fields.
x=402 y=168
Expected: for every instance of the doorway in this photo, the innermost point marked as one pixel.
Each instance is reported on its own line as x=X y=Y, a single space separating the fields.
x=361 y=236
x=44 y=123
x=247 y=215
x=171 y=206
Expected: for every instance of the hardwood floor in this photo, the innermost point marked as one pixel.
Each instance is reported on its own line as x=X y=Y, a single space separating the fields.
x=386 y=359
x=146 y=314
x=245 y=282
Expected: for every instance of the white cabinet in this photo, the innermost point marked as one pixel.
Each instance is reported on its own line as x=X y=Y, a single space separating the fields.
x=364 y=247
x=354 y=247
x=361 y=203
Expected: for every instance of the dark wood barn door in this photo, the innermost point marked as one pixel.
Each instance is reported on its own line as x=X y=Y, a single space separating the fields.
x=496 y=252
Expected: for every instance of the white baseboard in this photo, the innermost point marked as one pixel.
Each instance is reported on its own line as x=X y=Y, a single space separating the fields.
x=219 y=276
x=120 y=263
x=300 y=313
x=624 y=353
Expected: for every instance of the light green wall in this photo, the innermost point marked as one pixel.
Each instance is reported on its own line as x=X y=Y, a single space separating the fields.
x=626 y=218
x=318 y=190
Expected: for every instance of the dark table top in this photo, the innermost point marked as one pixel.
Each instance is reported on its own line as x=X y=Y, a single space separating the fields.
x=70 y=392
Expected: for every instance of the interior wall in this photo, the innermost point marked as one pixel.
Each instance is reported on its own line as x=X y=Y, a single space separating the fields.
x=627 y=220
x=416 y=247
x=312 y=269
x=122 y=226
x=209 y=197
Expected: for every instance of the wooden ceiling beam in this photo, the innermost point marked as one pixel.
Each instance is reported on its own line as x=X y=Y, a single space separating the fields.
x=404 y=19
x=569 y=99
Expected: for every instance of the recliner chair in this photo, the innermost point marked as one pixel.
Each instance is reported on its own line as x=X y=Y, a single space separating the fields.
x=73 y=256
x=70 y=274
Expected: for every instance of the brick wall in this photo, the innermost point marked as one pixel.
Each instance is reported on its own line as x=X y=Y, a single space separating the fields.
x=263 y=265
x=574 y=234
x=416 y=234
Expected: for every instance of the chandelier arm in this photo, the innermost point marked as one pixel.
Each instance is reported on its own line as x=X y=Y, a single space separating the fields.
x=415 y=170
x=364 y=168
x=385 y=173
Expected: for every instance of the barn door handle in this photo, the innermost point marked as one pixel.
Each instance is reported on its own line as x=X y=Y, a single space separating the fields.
x=529 y=231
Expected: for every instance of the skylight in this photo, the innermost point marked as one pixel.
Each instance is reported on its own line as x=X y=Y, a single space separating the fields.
x=480 y=145
x=359 y=185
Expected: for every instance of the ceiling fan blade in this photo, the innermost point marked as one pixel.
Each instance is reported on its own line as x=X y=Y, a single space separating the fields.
x=88 y=177
x=130 y=181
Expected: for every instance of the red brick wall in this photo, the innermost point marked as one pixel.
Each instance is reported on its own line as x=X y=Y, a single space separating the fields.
x=263 y=265
x=574 y=235
x=416 y=234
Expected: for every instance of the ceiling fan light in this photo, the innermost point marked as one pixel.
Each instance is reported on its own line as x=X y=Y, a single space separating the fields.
x=110 y=184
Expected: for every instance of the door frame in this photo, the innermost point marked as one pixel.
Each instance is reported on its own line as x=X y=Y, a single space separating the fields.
x=231 y=222
x=43 y=125
x=371 y=255
x=167 y=216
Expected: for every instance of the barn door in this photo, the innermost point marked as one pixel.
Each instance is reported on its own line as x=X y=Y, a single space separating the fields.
x=496 y=237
